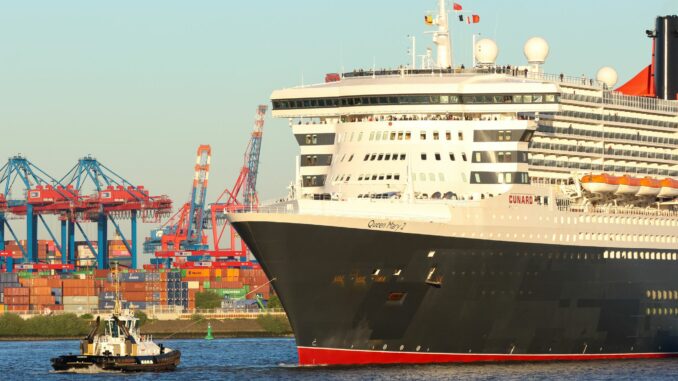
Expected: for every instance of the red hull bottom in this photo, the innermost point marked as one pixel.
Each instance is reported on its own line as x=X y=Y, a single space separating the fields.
x=310 y=356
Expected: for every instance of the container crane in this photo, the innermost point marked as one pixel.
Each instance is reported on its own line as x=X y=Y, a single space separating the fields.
x=185 y=229
x=43 y=195
x=246 y=183
x=114 y=198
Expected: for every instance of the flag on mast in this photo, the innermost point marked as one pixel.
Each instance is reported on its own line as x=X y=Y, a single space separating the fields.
x=473 y=19
x=428 y=19
x=456 y=6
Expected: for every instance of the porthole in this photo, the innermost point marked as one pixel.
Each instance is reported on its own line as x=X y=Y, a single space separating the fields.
x=654 y=295
x=648 y=293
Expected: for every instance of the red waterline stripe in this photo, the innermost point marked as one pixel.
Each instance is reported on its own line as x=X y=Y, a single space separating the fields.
x=331 y=356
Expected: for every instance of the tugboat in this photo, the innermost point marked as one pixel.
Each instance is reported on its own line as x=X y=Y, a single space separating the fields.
x=120 y=348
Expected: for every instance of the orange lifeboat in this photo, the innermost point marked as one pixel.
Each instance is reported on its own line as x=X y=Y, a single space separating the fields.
x=669 y=188
x=602 y=183
x=649 y=187
x=628 y=185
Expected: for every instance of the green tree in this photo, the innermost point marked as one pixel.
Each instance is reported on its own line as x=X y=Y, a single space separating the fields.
x=11 y=325
x=143 y=318
x=207 y=300
x=274 y=324
x=43 y=326
x=274 y=302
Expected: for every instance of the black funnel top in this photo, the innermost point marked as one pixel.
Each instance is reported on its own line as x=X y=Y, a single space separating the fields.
x=666 y=57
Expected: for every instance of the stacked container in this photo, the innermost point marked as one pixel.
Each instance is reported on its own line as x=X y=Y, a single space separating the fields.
x=80 y=295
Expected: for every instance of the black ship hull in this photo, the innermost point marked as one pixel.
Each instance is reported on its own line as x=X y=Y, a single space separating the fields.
x=161 y=363
x=362 y=296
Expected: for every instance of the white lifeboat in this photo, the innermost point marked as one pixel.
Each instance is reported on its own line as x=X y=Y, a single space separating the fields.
x=649 y=187
x=669 y=188
x=628 y=185
x=602 y=183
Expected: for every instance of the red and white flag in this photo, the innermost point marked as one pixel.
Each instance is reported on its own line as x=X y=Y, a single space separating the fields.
x=473 y=19
x=456 y=6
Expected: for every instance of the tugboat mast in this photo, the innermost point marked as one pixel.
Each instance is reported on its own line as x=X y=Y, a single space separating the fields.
x=117 y=308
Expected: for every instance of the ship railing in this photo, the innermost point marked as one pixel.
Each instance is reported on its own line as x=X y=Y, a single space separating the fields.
x=609 y=96
x=507 y=70
x=618 y=210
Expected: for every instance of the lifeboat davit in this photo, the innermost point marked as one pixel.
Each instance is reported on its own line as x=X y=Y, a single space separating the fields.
x=669 y=188
x=649 y=187
x=602 y=183
x=628 y=185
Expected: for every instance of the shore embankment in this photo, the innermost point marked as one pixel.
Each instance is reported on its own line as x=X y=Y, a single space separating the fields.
x=70 y=326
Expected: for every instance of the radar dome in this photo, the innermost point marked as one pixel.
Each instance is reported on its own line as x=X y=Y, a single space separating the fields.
x=486 y=51
x=607 y=75
x=536 y=50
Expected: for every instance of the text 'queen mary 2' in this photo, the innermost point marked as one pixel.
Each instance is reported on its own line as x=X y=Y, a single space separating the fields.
x=493 y=213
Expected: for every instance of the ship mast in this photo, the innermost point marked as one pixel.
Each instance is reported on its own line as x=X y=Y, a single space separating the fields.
x=117 y=310
x=442 y=38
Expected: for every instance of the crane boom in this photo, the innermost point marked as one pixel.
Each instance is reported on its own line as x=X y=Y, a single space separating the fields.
x=246 y=182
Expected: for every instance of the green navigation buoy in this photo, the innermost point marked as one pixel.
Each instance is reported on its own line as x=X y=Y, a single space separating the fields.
x=209 y=332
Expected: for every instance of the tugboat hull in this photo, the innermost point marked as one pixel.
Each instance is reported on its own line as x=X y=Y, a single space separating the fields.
x=159 y=363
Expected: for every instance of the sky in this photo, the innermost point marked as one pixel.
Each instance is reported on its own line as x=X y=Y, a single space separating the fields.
x=140 y=84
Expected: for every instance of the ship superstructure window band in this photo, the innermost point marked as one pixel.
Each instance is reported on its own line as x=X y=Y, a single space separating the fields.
x=414 y=99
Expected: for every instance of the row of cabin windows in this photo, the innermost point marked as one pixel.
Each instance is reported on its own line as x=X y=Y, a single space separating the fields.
x=379 y=177
x=665 y=171
x=350 y=158
x=384 y=156
x=313 y=160
x=315 y=139
x=661 y=311
x=545 y=127
x=502 y=135
x=414 y=99
x=499 y=157
x=400 y=135
x=639 y=255
x=630 y=238
x=499 y=178
x=313 y=180
x=431 y=177
x=593 y=148
x=407 y=135
x=438 y=157
x=614 y=118
x=662 y=294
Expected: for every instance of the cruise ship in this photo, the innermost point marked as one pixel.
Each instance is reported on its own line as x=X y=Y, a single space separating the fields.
x=487 y=213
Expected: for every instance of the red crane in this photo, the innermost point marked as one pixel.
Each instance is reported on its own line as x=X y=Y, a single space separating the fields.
x=246 y=183
x=184 y=230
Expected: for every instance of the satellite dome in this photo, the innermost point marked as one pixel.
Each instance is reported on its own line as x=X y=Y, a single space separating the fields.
x=536 y=50
x=607 y=75
x=486 y=51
